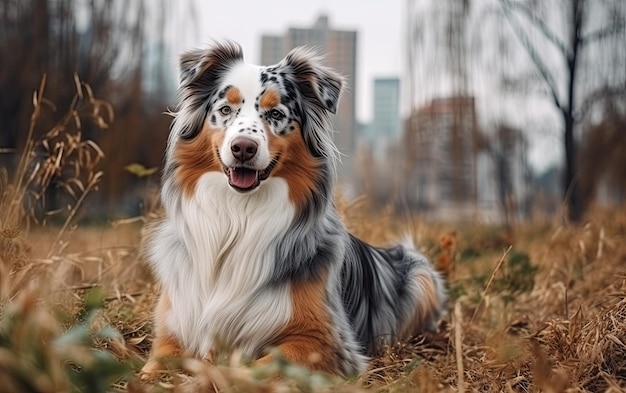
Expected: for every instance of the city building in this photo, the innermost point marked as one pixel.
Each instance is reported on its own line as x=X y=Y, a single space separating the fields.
x=440 y=149
x=385 y=127
x=455 y=171
x=339 y=50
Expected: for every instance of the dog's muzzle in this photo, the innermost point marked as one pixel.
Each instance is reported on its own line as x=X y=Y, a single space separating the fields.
x=243 y=176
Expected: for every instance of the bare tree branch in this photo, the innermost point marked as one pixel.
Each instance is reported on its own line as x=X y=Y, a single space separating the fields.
x=593 y=97
x=541 y=66
x=538 y=23
x=603 y=33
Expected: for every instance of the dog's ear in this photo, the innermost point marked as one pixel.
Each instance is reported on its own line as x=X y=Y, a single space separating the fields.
x=318 y=84
x=194 y=64
x=201 y=71
x=190 y=65
x=318 y=88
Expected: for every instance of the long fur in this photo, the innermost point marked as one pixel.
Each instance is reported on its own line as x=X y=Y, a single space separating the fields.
x=251 y=254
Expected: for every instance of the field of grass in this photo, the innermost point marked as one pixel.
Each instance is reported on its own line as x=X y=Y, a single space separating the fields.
x=539 y=306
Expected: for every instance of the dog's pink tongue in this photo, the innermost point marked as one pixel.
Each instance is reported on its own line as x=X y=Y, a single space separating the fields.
x=242 y=177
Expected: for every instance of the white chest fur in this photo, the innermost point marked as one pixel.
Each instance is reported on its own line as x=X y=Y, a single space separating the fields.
x=214 y=258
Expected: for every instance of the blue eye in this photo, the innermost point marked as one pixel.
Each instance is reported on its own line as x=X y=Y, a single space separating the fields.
x=225 y=110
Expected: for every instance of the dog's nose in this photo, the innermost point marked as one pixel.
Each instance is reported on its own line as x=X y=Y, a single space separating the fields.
x=243 y=149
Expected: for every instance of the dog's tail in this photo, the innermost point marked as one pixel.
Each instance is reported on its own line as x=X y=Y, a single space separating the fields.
x=430 y=294
x=390 y=293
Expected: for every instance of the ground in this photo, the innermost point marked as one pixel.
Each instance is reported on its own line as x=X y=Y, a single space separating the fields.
x=535 y=306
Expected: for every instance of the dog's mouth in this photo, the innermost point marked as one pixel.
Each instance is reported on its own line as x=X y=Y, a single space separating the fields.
x=244 y=179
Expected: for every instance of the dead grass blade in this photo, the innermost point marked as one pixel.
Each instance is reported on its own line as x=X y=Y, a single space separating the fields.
x=488 y=285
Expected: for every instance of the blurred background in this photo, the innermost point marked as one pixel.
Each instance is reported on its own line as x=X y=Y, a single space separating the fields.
x=492 y=110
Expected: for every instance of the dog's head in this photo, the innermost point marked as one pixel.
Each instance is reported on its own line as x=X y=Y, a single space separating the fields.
x=252 y=122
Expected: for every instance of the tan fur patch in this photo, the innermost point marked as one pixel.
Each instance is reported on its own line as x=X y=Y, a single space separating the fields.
x=196 y=157
x=164 y=345
x=270 y=99
x=308 y=339
x=426 y=309
x=233 y=96
x=296 y=165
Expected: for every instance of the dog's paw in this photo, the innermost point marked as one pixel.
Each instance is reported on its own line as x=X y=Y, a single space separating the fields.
x=150 y=370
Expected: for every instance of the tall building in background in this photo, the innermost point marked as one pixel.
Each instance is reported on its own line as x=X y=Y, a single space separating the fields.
x=441 y=157
x=385 y=127
x=387 y=107
x=339 y=50
x=457 y=172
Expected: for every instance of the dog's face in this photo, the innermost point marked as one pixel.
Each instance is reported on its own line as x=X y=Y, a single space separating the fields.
x=252 y=122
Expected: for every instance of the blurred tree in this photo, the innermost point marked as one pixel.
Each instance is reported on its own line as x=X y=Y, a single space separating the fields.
x=110 y=45
x=441 y=130
x=508 y=151
x=578 y=50
x=437 y=49
x=603 y=153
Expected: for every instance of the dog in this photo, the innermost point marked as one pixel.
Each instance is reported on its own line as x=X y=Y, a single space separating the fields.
x=251 y=255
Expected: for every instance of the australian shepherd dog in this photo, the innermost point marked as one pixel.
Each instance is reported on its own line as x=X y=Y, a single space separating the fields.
x=251 y=255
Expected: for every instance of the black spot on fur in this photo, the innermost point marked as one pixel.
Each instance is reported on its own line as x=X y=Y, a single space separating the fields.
x=221 y=94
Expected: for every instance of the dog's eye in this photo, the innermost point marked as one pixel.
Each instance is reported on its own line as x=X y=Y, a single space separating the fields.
x=226 y=110
x=276 y=114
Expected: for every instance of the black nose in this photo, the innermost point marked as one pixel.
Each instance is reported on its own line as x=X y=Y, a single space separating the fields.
x=243 y=149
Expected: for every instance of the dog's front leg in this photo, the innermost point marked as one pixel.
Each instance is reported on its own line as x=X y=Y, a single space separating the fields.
x=308 y=338
x=165 y=344
x=304 y=352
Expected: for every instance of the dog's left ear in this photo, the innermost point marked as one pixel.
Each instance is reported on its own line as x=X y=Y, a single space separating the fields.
x=318 y=84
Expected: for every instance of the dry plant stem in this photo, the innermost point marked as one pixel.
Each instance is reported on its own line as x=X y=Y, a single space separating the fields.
x=14 y=205
x=94 y=181
x=493 y=274
x=600 y=244
x=37 y=100
x=458 y=344
x=566 y=305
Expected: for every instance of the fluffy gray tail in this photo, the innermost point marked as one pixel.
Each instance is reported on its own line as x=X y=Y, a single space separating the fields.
x=389 y=293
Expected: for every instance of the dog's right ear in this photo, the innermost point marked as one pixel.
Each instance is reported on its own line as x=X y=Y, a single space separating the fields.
x=201 y=72
x=190 y=63
x=195 y=63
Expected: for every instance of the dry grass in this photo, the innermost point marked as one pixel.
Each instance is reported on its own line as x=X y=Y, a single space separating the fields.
x=541 y=307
